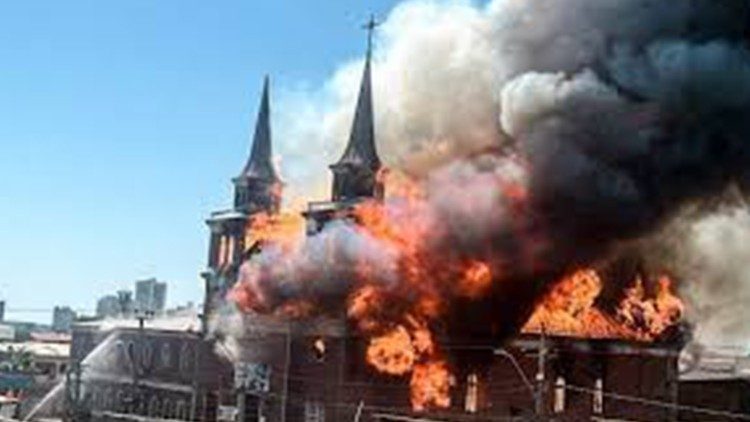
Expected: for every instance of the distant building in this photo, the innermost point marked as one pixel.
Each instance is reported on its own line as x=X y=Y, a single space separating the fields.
x=24 y=329
x=150 y=295
x=107 y=306
x=125 y=303
x=7 y=332
x=115 y=305
x=2 y=310
x=62 y=319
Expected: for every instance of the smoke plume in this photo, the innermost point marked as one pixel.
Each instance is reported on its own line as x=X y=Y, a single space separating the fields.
x=540 y=134
x=715 y=260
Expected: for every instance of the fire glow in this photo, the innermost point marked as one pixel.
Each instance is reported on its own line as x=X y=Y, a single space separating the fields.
x=398 y=317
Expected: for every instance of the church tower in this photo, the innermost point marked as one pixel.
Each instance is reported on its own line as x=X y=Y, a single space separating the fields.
x=257 y=189
x=355 y=173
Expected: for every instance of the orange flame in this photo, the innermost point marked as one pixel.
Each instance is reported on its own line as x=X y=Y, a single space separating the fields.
x=476 y=281
x=284 y=229
x=399 y=319
x=392 y=353
x=431 y=383
x=569 y=309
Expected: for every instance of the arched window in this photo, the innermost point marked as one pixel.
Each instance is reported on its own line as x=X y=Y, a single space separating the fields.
x=181 y=410
x=106 y=399
x=230 y=250
x=167 y=411
x=131 y=357
x=119 y=404
x=598 y=398
x=147 y=353
x=96 y=398
x=185 y=358
x=559 y=404
x=153 y=407
x=471 y=401
x=222 y=250
x=314 y=411
x=165 y=355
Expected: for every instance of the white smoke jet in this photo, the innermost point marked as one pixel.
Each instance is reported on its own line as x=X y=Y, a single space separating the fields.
x=716 y=260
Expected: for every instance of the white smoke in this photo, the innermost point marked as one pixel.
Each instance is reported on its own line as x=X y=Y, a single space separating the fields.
x=716 y=260
x=441 y=69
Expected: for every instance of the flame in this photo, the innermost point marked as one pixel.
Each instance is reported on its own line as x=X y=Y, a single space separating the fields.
x=431 y=383
x=476 y=281
x=401 y=320
x=393 y=352
x=285 y=229
x=569 y=309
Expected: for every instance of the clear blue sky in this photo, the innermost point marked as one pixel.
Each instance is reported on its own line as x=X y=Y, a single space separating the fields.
x=122 y=122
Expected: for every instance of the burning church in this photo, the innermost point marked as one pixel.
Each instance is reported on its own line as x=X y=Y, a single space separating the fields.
x=509 y=256
x=513 y=279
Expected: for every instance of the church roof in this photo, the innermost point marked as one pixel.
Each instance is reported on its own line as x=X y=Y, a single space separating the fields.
x=360 y=150
x=260 y=164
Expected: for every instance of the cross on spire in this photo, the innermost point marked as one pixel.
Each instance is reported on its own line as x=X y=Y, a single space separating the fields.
x=370 y=27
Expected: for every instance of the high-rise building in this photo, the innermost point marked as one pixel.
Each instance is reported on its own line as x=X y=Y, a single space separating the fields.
x=125 y=303
x=2 y=310
x=63 y=318
x=119 y=304
x=150 y=295
x=107 y=306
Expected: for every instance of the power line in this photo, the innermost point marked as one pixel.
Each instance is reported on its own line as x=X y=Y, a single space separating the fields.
x=659 y=403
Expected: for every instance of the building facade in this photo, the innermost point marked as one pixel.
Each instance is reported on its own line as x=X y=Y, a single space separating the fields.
x=62 y=319
x=163 y=369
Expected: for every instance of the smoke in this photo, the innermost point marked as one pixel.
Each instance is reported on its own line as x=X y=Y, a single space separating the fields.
x=612 y=115
x=715 y=260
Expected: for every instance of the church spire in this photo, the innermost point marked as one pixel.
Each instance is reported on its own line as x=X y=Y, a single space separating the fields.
x=354 y=173
x=257 y=187
x=260 y=163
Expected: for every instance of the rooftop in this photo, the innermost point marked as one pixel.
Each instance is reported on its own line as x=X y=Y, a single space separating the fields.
x=187 y=320
x=39 y=349
x=715 y=364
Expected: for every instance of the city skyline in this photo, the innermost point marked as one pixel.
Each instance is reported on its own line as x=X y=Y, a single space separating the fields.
x=138 y=145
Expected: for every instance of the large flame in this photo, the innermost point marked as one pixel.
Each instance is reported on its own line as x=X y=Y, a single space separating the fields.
x=399 y=318
x=570 y=309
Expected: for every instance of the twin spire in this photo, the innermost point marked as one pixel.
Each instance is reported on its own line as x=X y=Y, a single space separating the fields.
x=260 y=163
x=354 y=173
x=360 y=150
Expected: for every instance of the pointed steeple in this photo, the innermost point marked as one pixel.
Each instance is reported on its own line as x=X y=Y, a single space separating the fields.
x=354 y=173
x=260 y=163
x=257 y=187
x=361 y=149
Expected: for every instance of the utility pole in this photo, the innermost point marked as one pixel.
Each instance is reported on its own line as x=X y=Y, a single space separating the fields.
x=541 y=384
x=76 y=409
x=137 y=359
x=287 y=358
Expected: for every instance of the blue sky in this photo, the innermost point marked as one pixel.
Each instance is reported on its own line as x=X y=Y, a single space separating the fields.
x=121 y=124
